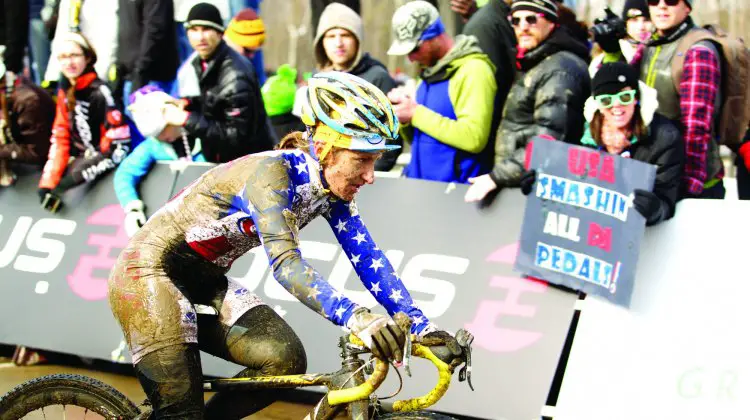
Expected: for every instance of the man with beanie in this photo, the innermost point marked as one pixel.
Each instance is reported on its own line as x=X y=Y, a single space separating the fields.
x=246 y=33
x=278 y=98
x=229 y=116
x=26 y=115
x=551 y=85
x=337 y=46
x=448 y=117
x=146 y=44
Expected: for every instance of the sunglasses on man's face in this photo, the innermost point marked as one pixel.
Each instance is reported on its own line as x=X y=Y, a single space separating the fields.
x=623 y=98
x=530 y=19
x=655 y=3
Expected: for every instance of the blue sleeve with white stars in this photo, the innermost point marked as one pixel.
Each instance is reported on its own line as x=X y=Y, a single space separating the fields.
x=269 y=194
x=371 y=265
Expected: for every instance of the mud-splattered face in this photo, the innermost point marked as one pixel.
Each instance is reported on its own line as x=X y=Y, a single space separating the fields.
x=346 y=171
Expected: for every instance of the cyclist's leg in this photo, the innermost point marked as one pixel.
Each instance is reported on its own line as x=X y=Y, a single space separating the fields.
x=172 y=379
x=160 y=327
x=249 y=333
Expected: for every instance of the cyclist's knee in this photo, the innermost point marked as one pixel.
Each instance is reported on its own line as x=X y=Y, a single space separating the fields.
x=290 y=359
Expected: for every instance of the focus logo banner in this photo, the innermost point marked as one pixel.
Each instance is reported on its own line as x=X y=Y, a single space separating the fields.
x=580 y=229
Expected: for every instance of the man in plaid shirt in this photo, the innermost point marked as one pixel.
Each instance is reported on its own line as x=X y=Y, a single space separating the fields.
x=696 y=103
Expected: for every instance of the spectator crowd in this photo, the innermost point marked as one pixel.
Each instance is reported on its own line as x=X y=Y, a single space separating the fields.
x=89 y=87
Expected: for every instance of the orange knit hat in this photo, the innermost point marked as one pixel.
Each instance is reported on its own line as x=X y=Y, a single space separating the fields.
x=246 y=29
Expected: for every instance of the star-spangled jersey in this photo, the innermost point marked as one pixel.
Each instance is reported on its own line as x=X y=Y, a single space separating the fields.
x=264 y=199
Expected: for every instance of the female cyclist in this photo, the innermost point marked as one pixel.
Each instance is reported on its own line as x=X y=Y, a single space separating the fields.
x=180 y=257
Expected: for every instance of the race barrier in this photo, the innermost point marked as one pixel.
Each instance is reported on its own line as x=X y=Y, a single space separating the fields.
x=456 y=261
x=677 y=352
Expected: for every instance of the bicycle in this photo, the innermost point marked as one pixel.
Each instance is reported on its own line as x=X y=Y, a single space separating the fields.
x=347 y=388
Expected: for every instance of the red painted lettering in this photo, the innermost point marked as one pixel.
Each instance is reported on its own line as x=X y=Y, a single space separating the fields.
x=600 y=237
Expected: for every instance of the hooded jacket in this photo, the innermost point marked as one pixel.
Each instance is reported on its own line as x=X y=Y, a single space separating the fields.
x=337 y=15
x=663 y=147
x=547 y=97
x=451 y=124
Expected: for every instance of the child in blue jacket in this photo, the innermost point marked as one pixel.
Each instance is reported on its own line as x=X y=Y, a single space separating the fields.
x=162 y=142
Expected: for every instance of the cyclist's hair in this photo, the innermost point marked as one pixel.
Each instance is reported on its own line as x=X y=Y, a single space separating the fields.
x=297 y=140
x=294 y=140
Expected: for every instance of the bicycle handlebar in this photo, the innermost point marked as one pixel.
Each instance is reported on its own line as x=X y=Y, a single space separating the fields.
x=363 y=391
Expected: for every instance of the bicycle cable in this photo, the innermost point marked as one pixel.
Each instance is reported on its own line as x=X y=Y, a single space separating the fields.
x=364 y=365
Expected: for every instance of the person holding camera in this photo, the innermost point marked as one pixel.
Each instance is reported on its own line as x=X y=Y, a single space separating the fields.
x=693 y=100
x=547 y=96
x=637 y=28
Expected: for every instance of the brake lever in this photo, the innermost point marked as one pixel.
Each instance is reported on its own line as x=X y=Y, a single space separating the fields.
x=404 y=322
x=407 y=355
x=464 y=339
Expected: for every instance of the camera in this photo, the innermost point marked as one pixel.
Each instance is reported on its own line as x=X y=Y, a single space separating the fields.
x=611 y=27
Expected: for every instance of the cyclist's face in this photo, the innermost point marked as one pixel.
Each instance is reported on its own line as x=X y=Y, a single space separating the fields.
x=347 y=171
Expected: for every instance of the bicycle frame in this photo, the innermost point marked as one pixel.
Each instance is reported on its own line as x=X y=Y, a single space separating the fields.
x=350 y=375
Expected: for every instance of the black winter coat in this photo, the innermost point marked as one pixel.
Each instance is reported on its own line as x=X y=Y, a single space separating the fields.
x=147 y=41
x=229 y=116
x=547 y=97
x=665 y=149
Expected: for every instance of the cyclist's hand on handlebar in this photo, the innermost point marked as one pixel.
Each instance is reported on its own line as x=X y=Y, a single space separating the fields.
x=379 y=333
x=451 y=350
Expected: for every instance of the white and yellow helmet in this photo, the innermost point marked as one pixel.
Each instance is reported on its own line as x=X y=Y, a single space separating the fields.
x=354 y=113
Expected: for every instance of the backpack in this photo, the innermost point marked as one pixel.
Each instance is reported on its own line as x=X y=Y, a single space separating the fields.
x=734 y=111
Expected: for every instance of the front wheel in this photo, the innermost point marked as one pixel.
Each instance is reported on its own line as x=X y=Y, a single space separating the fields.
x=58 y=396
x=415 y=415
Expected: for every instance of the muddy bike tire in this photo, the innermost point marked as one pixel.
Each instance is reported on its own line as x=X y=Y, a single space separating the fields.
x=415 y=415
x=66 y=389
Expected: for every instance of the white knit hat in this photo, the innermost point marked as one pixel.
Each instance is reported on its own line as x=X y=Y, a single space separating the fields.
x=147 y=113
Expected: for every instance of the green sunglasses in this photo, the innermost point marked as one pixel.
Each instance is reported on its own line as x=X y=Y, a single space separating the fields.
x=608 y=101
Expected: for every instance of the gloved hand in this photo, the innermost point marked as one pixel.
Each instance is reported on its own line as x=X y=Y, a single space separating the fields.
x=648 y=205
x=43 y=193
x=446 y=339
x=744 y=153
x=379 y=333
x=49 y=200
x=609 y=31
x=527 y=181
x=134 y=217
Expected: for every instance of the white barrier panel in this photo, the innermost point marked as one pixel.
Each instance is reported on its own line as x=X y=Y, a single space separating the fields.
x=682 y=351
